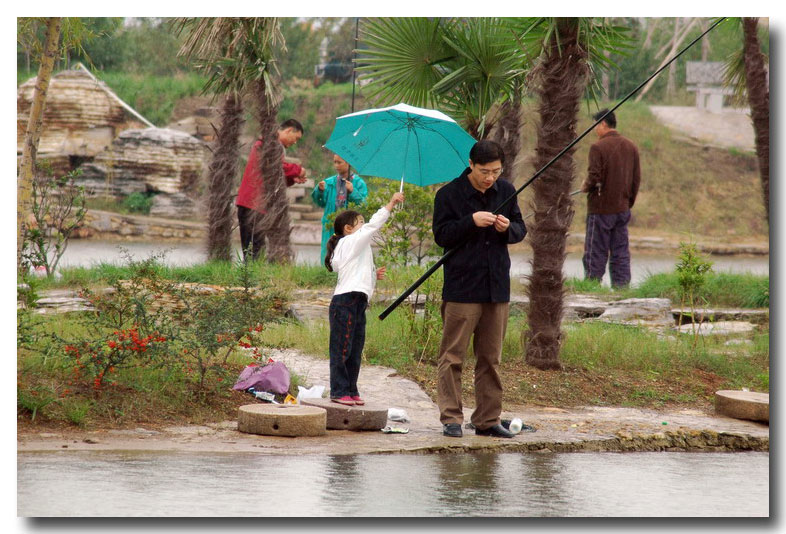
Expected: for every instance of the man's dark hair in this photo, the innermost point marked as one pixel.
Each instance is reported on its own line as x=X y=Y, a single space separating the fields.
x=486 y=151
x=610 y=119
x=291 y=123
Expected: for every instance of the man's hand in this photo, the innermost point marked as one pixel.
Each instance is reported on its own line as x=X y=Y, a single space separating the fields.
x=301 y=178
x=381 y=273
x=501 y=223
x=321 y=185
x=350 y=187
x=483 y=219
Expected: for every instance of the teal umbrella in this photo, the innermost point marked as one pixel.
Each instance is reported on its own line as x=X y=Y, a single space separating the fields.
x=416 y=145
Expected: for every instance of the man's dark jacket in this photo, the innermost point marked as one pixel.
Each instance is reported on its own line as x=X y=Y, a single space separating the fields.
x=614 y=165
x=479 y=271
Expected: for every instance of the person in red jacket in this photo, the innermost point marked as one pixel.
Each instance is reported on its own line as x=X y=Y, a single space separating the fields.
x=250 y=197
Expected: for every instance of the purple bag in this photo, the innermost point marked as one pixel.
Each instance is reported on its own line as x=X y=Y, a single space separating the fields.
x=273 y=377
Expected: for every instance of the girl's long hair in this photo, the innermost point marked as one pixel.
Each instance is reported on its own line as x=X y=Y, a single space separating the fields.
x=346 y=217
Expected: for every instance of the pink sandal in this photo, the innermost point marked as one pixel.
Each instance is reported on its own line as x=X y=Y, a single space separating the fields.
x=346 y=400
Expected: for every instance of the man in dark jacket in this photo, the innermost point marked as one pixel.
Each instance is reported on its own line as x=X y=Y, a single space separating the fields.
x=476 y=289
x=612 y=185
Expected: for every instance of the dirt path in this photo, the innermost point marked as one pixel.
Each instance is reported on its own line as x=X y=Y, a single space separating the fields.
x=579 y=429
x=730 y=128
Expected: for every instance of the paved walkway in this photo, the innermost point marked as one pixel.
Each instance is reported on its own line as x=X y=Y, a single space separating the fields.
x=558 y=430
x=730 y=128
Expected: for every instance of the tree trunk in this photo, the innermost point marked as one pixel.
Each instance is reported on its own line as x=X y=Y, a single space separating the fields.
x=759 y=101
x=508 y=135
x=275 y=223
x=562 y=79
x=222 y=187
x=675 y=45
x=33 y=133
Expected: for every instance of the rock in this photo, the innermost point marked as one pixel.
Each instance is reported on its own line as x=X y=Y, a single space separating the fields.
x=645 y=312
x=173 y=205
x=80 y=119
x=733 y=342
x=281 y=420
x=584 y=306
x=721 y=328
x=758 y=316
x=340 y=417
x=147 y=160
x=749 y=405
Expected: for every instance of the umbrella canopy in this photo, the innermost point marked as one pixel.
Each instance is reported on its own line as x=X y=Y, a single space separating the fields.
x=418 y=146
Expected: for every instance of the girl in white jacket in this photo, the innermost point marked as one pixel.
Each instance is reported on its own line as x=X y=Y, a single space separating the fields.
x=349 y=253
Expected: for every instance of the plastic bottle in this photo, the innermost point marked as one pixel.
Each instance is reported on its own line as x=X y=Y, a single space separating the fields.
x=515 y=425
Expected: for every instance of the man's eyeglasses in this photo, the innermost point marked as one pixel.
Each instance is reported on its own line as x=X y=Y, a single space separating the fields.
x=491 y=172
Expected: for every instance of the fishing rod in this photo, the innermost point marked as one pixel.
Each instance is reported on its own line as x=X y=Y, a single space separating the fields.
x=535 y=176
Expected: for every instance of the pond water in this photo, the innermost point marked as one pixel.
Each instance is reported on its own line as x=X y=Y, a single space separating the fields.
x=70 y=483
x=86 y=252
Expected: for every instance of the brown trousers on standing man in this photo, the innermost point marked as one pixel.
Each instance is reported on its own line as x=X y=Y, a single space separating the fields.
x=488 y=322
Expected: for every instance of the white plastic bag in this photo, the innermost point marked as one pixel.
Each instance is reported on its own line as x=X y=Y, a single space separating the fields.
x=314 y=392
x=397 y=414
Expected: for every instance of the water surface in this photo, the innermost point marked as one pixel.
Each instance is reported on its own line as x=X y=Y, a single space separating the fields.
x=511 y=484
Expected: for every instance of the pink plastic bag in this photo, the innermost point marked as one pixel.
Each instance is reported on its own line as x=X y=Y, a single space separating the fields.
x=273 y=377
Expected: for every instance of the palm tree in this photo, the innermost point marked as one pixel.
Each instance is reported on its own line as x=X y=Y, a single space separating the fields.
x=746 y=73
x=208 y=42
x=469 y=68
x=33 y=133
x=238 y=54
x=570 y=51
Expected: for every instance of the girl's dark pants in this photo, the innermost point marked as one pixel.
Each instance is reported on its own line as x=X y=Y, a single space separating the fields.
x=347 y=317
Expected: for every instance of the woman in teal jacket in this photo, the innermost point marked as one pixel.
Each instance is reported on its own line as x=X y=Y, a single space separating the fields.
x=333 y=194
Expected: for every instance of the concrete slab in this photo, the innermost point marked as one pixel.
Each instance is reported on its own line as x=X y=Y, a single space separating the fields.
x=341 y=417
x=750 y=405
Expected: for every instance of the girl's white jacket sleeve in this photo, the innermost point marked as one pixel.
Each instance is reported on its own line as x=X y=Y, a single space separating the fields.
x=362 y=238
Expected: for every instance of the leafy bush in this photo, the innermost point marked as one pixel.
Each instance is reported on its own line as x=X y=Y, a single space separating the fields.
x=138 y=203
x=148 y=321
x=58 y=209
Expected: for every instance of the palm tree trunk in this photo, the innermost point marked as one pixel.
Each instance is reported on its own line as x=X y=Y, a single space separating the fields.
x=508 y=135
x=275 y=223
x=222 y=173
x=561 y=82
x=33 y=133
x=759 y=101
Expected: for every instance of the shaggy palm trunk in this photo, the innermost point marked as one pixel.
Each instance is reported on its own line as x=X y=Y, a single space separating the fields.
x=759 y=101
x=222 y=188
x=33 y=134
x=561 y=82
x=507 y=134
x=275 y=223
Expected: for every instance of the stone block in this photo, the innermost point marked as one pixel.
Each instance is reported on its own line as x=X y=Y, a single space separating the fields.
x=281 y=420
x=749 y=405
x=340 y=417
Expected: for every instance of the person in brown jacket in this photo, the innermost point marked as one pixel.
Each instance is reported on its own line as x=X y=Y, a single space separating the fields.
x=611 y=185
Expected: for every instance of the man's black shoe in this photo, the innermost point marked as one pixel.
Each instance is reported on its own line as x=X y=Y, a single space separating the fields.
x=497 y=431
x=452 y=430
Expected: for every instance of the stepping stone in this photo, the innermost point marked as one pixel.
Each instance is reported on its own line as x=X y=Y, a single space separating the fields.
x=644 y=312
x=743 y=405
x=281 y=420
x=341 y=417
x=720 y=328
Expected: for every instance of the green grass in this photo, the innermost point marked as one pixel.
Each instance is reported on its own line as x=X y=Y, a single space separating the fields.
x=720 y=289
x=214 y=273
x=608 y=348
x=154 y=97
